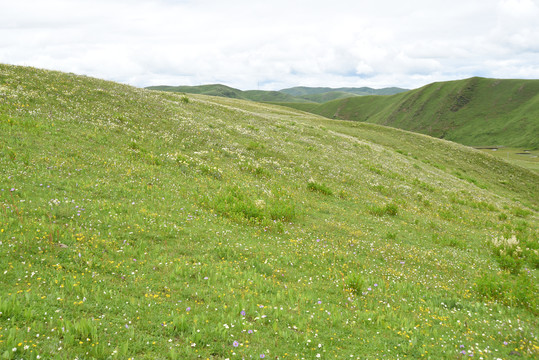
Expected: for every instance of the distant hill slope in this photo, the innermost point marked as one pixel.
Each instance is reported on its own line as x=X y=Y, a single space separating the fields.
x=229 y=92
x=305 y=90
x=475 y=111
x=155 y=225
x=296 y=95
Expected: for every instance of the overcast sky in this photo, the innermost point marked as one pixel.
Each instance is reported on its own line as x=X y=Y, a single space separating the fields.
x=273 y=44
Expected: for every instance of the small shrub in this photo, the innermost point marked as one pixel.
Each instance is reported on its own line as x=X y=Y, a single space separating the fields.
x=490 y=287
x=233 y=202
x=133 y=145
x=321 y=188
x=253 y=145
x=521 y=212
x=354 y=282
x=388 y=209
x=449 y=241
x=285 y=211
x=509 y=263
x=184 y=99
x=213 y=172
x=525 y=291
x=509 y=290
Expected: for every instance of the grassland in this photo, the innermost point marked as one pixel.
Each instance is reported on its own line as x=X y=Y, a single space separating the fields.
x=474 y=112
x=294 y=95
x=306 y=91
x=528 y=159
x=155 y=225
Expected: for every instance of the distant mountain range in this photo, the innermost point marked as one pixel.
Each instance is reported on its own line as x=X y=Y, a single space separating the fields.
x=299 y=94
x=475 y=111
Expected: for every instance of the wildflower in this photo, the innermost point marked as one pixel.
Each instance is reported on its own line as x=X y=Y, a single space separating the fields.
x=235 y=344
x=188 y=309
x=262 y=356
x=242 y=313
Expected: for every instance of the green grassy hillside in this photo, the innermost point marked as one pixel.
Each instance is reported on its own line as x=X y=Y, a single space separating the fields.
x=211 y=90
x=229 y=92
x=294 y=95
x=155 y=225
x=327 y=96
x=475 y=112
x=301 y=91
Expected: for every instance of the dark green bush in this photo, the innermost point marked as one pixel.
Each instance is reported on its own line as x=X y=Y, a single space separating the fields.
x=388 y=209
x=321 y=188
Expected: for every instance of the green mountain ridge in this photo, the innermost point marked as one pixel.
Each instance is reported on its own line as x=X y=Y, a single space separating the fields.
x=475 y=111
x=298 y=95
x=304 y=90
x=156 y=225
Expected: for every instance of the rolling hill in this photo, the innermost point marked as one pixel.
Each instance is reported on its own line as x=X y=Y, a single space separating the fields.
x=296 y=95
x=475 y=111
x=300 y=91
x=148 y=224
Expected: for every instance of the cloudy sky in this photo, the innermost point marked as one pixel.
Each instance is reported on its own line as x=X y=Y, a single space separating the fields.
x=273 y=44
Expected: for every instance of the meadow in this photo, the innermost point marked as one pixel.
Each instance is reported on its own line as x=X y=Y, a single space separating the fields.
x=475 y=112
x=523 y=157
x=295 y=95
x=154 y=225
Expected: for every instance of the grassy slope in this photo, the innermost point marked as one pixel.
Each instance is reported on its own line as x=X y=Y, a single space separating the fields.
x=229 y=92
x=134 y=223
x=211 y=90
x=327 y=96
x=294 y=95
x=305 y=91
x=476 y=111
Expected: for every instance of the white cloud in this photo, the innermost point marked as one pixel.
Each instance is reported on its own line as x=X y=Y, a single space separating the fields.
x=277 y=43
